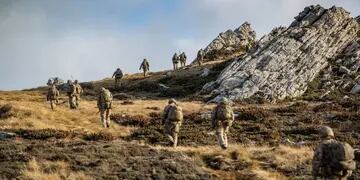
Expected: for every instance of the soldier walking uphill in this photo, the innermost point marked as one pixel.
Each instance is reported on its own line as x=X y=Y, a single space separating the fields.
x=200 y=57
x=222 y=119
x=145 y=67
x=183 y=59
x=118 y=74
x=172 y=118
x=104 y=104
x=332 y=159
x=175 y=61
x=78 y=92
x=71 y=92
x=53 y=95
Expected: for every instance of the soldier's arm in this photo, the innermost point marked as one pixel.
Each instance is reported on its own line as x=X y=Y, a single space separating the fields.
x=165 y=114
x=113 y=74
x=316 y=163
x=140 y=66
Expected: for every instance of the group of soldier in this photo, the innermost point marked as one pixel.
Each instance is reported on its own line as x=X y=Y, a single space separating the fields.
x=332 y=159
x=178 y=61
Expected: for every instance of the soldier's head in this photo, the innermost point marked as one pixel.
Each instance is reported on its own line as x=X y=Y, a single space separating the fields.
x=145 y=59
x=76 y=81
x=224 y=101
x=118 y=69
x=326 y=132
x=172 y=101
x=69 y=81
x=102 y=89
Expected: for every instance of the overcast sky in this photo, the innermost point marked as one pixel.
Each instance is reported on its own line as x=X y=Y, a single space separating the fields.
x=89 y=39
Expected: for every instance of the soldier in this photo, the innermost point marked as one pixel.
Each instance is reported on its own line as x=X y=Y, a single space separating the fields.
x=145 y=67
x=71 y=94
x=222 y=119
x=118 y=74
x=53 y=96
x=200 y=57
x=78 y=92
x=172 y=118
x=104 y=104
x=175 y=61
x=183 y=59
x=332 y=159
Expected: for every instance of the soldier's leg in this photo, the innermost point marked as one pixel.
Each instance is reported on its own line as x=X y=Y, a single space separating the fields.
x=77 y=98
x=174 y=66
x=52 y=104
x=220 y=135
x=102 y=117
x=175 y=134
x=108 y=113
x=226 y=131
x=167 y=132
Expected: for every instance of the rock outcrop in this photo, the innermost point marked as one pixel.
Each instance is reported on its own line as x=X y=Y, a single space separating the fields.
x=231 y=43
x=286 y=60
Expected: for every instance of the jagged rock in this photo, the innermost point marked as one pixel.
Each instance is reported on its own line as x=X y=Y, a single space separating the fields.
x=205 y=72
x=231 y=43
x=6 y=135
x=356 y=88
x=286 y=60
x=345 y=70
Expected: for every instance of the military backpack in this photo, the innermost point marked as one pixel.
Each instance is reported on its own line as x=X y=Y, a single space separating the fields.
x=338 y=157
x=224 y=112
x=175 y=114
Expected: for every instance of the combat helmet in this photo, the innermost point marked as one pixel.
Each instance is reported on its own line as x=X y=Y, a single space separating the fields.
x=326 y=132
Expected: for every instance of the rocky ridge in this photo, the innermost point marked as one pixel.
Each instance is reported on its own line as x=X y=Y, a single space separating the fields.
x=284 y=62
x=231 y=43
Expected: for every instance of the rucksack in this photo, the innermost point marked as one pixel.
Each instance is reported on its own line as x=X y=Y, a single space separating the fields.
x=224 y=112
x=175 y=114
x=107 y=96
x=53 y=91
x=338 y=157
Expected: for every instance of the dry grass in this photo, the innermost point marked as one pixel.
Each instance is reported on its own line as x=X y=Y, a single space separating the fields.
x=255 y=162
x=33 y=112
x=49 y=170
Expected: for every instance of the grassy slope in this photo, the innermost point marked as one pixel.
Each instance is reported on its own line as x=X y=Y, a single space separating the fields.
x=257 y=124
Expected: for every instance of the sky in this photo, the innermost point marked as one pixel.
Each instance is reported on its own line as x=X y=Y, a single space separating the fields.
x=88 y=39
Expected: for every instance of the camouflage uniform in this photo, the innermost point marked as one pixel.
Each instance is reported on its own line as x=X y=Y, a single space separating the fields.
x=222 y=126
x=200 y=57
x=71 y=92
x=176 y=60
x=145 y=67
x=78 y=92
x=171 y=128
x=104 y=107
x=118 y=74
x=53 y=96
x=320 y=166
x=183 y=59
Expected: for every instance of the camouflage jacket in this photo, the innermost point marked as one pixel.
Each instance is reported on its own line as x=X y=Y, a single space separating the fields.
x=166 y=112
x=145 y=66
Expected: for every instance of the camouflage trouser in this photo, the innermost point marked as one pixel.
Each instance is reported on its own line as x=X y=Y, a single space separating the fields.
x=105 y=117
x=171 y=131
x=145 y=72
x=183 y=63
x=222 y=129
x=176 y=65
x=72 y=102
x=199 y=61
x=53 y=103
x=77 y=100
x=117 y=81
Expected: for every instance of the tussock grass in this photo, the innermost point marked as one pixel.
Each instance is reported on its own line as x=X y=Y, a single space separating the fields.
x=254 y=162
x=49 y=170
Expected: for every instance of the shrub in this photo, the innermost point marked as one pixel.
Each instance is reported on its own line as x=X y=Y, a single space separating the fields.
x=105 y=136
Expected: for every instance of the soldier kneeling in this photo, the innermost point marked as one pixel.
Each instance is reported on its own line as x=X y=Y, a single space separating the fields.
x=172 y=118
x=332 y=159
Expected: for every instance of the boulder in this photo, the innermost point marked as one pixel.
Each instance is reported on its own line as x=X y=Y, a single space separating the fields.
x=285 y=61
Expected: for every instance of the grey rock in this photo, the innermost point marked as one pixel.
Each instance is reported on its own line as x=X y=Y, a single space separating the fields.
x=231 y=43
x=6 y=135
x=205 y=72
x=285 y=61
x=345 y=70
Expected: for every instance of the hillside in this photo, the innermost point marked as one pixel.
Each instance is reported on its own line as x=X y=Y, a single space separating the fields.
x=280 y=92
